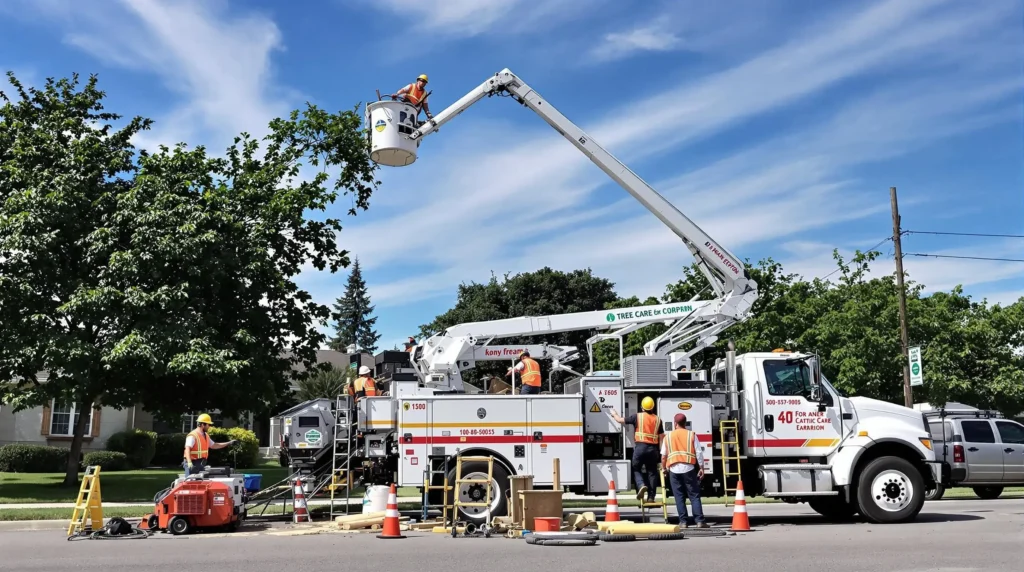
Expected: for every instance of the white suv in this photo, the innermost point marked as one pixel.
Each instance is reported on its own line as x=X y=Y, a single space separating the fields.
x=978 y=449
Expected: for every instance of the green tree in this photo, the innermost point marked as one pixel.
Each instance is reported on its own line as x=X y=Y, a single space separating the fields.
x=327 y=383
x=165 y=279
x=543 y=292
x=356 y=322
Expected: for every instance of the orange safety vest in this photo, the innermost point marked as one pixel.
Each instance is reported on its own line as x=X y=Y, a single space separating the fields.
x=364 y=385
x=531 y=372
x=415 y=94
x=201 y=450
x=680 y=447
x=646 y=428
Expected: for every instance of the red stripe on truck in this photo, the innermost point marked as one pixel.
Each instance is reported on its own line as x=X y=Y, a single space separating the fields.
x=769 y=443
x=494 y=439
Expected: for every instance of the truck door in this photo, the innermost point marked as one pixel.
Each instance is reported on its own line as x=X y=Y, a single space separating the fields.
x=1011 y=434
x=792 y=425
x=984 y=455
x=413 y=430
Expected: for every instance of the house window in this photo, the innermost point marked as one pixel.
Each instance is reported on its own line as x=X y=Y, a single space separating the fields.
x=64 y=416
x=188 y=421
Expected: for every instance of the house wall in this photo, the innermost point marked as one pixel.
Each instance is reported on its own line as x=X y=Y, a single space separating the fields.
x=31 y=426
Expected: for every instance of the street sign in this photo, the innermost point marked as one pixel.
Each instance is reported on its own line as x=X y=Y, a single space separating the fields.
x=916 y=371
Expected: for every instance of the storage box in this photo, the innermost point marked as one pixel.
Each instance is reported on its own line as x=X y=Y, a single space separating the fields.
x=540 y=504
x=252 y=482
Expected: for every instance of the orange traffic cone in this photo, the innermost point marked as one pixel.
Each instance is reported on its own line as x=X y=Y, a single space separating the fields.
x=740 y=521
x=300 y=513
x=391 y=526
x=611 y=510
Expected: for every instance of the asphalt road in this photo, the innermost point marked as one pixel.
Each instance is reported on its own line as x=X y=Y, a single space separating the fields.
x=949 y=535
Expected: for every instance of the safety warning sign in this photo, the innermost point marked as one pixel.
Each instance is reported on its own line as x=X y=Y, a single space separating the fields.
x=595 y=408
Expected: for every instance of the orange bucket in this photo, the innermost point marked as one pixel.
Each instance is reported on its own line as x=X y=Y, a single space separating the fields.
x=547 y=524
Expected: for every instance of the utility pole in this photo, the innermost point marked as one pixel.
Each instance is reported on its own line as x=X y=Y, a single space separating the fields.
x=908 y=395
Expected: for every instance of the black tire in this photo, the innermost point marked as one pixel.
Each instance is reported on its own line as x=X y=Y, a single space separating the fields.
x=890 y=490
x=988 y=493
x=499 y=475
x=568 y=542
x=936 y=493
x=153 y=522
x=567 y=535
x=704 y=532
x=617 y=537
x=179 y=525
x=834 y=509
x=666 y=536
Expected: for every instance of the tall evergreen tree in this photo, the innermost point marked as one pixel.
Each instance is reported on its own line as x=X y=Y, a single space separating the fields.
x=355 y=324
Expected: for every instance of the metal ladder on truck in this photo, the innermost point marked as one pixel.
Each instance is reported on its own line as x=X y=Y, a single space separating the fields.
x=440 y=461
x=341 y=469
x=459 y=481
x=662 y=504
x=729 y=431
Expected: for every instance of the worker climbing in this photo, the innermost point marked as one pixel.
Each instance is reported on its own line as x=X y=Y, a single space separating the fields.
x=415 y=94
x=646 y=439
x=529 y=373
x=362 y=386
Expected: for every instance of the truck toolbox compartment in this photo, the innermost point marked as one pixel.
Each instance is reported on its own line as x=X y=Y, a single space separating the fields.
x=797 y=479
x=601 y=471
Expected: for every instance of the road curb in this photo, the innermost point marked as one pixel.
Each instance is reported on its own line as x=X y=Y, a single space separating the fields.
x=30 y=525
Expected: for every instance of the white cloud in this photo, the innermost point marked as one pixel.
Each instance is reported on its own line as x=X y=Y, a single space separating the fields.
x=481 y=210
x=655 y=36
x=458 y=19
x=217 y=64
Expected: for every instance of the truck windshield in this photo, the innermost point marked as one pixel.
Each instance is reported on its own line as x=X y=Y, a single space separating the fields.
x=787 y=378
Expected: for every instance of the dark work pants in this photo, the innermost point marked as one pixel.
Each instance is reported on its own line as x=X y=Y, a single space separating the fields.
x=197 y=467
x=687 y=486
x=645 y=467
x=529 y=390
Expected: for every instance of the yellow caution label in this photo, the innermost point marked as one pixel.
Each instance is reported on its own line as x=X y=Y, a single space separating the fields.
x=595 y=408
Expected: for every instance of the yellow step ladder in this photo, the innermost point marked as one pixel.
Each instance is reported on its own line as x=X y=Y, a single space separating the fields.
x=88 y=514
x=663 y=503
x=459 y=481
x=729 y=431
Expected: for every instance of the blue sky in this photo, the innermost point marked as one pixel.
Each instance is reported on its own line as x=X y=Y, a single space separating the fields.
x=778 y=127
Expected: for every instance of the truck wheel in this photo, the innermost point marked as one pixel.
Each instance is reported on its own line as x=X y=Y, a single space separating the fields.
x=890 y=490
x=477 y=492
x=936 y=493
x=988 y=493
x=834 y=508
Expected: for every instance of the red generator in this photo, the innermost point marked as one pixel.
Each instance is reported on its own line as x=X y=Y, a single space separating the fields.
x=197 y=504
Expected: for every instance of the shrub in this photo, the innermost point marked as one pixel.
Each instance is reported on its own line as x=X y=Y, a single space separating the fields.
x=107 y=460
x=138 y=445
x=169 y=447
x=33 y=459
x=242 y=455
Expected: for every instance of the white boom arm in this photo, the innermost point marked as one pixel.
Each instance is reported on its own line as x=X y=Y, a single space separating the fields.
x=735 y=291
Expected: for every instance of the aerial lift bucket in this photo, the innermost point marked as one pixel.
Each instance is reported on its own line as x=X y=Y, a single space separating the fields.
x=390 y=124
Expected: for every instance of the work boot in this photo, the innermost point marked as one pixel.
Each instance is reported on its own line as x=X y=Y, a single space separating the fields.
x=702 y=525
x=640 y=493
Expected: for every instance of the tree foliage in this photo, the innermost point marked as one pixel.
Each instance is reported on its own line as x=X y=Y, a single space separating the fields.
x=162 y=278
x=355 y=323
x=327 y=383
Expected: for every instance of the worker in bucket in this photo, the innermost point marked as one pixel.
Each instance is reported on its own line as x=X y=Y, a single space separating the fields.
x=529 y=374
x=198 y=445
x=415 y=94
x=683 y=457
x=646 y=438
x=362 y=386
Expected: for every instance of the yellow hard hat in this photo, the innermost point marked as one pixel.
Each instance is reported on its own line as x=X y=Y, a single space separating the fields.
x=647 y=404
x=423 y=76
x=204 y=418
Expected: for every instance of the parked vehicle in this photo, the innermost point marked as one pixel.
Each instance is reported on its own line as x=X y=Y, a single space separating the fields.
x=978 y=449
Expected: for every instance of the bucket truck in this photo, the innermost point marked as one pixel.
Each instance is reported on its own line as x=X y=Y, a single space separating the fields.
x=768 y=419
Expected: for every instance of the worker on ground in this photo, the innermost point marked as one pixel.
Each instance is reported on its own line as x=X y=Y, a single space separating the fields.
x=649 y=433
x=529 y=374
x=198 y=445
x=415 y=94
x=362 y=386
x=683 y=456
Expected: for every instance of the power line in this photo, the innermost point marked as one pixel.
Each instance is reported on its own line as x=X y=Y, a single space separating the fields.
x=964 y=234
x=964 y=257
